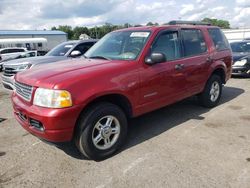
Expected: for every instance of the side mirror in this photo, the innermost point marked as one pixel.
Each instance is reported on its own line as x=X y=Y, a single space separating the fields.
x=75 y=53
x=155 y=58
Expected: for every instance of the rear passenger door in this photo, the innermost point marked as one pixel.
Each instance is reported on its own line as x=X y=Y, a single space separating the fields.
x=196 y=56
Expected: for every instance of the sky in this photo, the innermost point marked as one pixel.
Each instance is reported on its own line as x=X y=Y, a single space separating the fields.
x=44 y=14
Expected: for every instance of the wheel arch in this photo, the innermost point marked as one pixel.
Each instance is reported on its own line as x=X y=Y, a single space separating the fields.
x=117 y=99
x=221 y=73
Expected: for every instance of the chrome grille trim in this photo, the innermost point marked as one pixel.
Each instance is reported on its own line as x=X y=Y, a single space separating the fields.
x=23 y=90
x=9 y=71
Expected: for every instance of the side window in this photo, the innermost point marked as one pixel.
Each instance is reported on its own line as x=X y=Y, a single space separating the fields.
x=84 y=47
x=193 y=42
x=15 y=50
x=168 y=44
x=4 y=51
x=12 y=51
x=219 y=39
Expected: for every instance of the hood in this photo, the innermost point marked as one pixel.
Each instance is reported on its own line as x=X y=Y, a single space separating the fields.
x=238 y=56
x=50 y=74
x=36 y=60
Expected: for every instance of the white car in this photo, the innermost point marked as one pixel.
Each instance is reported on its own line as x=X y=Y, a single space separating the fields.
x=10 y=53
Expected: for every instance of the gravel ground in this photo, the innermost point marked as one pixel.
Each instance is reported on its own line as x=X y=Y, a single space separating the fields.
x=183 y=145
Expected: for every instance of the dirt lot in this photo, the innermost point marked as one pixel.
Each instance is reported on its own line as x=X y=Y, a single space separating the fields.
x=183 y=145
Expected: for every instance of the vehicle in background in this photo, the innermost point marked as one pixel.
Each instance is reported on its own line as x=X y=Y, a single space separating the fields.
x=70 y=49
x=241 y=58
x=8 y=53
x=21 y=56
x=31 y=44
x=128 y=73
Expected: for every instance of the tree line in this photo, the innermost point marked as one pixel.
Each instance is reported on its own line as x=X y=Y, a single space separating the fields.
x=99 y=31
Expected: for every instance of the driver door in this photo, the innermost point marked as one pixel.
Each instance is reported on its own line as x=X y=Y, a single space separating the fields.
x=163 y=83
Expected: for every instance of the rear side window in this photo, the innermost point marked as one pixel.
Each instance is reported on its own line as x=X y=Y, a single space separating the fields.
x=219 y=39
x=4 y=51
x=15 y=50
x=168 y=44
x=193 y=42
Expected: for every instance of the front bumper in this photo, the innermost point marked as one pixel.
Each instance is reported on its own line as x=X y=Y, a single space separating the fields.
x=240 y=71
x=57 y=124
x=8 y=82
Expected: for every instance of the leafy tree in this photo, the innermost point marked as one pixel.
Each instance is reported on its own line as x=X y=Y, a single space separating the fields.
x=94 y=32
x=53 y=28
x=78 y=31
x=216 y=22
x=152 y=24
x=149 y=24
x=65 y=28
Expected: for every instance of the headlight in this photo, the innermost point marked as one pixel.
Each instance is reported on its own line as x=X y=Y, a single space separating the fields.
x=52 y=98
x=241 y=62
x=23 y=67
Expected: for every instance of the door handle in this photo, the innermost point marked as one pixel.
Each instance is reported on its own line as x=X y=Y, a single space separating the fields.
x=179 y=66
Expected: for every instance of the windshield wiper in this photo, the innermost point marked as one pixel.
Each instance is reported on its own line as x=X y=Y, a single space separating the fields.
x=98 y=57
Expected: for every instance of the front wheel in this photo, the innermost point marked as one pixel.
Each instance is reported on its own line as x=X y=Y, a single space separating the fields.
x=211 y=95
x=101 y=131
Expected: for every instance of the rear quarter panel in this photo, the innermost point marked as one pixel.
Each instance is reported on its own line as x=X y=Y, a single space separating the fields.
x=220 y=59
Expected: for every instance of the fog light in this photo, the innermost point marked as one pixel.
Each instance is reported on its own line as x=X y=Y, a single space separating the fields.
x=36 y=124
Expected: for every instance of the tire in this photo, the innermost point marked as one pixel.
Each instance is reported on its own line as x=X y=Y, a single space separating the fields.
x=112 y=124
x=209 y=98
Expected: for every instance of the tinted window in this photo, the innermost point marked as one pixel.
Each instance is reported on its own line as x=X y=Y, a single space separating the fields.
x=240 y=47
x=84 y=47
x=219 y=39
x=168 y=44
x=4 y=51
x=193 y=42
x=15 y=50
x=61 y=49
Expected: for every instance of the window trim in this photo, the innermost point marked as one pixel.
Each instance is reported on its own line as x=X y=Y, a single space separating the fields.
x=182 y=41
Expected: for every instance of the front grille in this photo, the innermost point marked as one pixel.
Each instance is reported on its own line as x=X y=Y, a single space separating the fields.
x=10 y=70
x=23 y=90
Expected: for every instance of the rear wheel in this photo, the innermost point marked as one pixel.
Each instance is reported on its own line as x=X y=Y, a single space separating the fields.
x=101 y=131
x=211 y=95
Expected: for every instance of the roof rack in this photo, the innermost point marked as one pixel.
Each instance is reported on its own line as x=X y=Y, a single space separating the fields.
x=180 y=22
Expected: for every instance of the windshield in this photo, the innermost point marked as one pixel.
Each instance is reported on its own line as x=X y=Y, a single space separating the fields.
x=121 y=45
x=243 y=47
x=61 y=49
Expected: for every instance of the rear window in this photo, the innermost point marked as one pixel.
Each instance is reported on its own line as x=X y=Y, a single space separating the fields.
x=193 y=42
x=219 y=39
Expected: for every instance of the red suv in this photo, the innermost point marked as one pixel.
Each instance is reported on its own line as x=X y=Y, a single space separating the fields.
x=127 y=73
